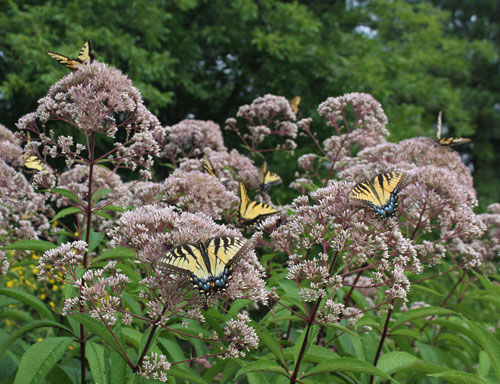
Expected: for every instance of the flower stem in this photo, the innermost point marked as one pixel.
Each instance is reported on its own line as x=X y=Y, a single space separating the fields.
x=382 y=338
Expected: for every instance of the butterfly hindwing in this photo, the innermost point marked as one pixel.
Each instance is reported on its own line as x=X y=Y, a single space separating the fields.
x=251 y=212
x=380 y=193
x=267 y=178
x=208 y=264
x=85 y=56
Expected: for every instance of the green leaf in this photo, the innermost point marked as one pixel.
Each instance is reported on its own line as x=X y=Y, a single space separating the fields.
x=262 y=366
x=459 y=377
x=106 y=215
x=432 y=292
x=114 y=208
x=418 y=313
x=66 y=212
x=40 y=358
x=99 y=329
x=116 y=369
x=25 y=329
x=26 y=298
x=95 y=355
x=269 y=341
x=30 y=245
x=393 y=361
x=484 y=364
x=189 y=376
x=66 y=193
x=116 y=253
x=99 y=194
x=347 y=364
x=490 y=345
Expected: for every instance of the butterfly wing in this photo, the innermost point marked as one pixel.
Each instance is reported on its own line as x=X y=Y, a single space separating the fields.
x=33 y=162
x=208 y=167
x=184 y=259
x=222 y=252
x=295 y=102
x=380 y=193
x=86 y=55
x=267 y=178
x=64 y=60
x=453 y=140
x=251 y=212
x=448 y=140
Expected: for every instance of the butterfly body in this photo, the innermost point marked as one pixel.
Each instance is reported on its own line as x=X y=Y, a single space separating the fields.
x=252 y=212
x=84 y=57
x=267 y=178
x=380 y=193
x=208 y=264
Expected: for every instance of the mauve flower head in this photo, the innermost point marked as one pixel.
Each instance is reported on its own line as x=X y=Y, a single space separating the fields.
x=198 y=192
x=368 y=113
x=23 y=212
x=189 y=138
x=489 y=245
x=266 y=116
x=4 y=266
x=154 y=366
x=232 y=167
x=95 y=99
x=438 y=197
x=77 y=179
x=325 y=224
x=10 y=150
x=152 y=230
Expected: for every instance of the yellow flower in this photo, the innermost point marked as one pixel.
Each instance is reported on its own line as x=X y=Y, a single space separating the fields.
x=43 y=296
x=39 y=339
x=35 y=271
x=71 y=347
x=55 y=288
x=76 y=234
x=10 y=283
x=51 y=303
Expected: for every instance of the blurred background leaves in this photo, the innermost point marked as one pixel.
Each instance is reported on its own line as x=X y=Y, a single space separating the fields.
x=204 y=58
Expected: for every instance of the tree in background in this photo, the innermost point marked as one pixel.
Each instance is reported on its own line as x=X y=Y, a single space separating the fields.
x=202 y=59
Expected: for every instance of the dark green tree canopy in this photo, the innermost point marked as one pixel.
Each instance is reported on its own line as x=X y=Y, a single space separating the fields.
x=203 y=59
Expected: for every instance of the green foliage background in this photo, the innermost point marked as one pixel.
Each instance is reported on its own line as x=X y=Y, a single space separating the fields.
x=204 y=58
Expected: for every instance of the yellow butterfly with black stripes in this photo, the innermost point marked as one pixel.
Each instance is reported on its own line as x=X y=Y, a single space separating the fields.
x=33 y=162
x=380 y=193
x=208 y=264
x=267 y=178
x=209 y=168
x=295 y=102
x=251 y=212
x=84 y=57
x=448 y=140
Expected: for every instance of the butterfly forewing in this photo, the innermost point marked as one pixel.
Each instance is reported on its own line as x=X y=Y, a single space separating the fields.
x=86 y=55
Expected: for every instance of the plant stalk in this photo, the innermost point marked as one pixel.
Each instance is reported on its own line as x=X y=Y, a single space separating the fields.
x=382 y=338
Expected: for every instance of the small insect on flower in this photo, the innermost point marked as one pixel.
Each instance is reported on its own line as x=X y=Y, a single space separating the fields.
x=208 y=264
x=84 y=57
x=295 y=102
x=380 y=193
